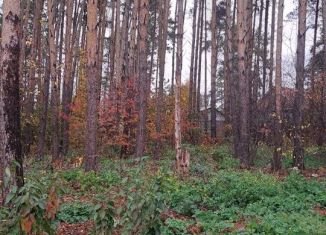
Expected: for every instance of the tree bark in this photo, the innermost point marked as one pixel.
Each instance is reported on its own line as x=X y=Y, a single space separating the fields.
x=143 y=76
x=10 y=145
x=213 y=70
x=242 y=18
x=92 y=86
x=177 y=117
x=298 y=152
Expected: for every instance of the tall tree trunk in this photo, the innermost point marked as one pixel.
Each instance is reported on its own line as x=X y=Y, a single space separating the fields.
x=271 y=63
x=298 y=152
x=22 y=59
x=194 y=96
x=163 y=32
x=92 y=86
x=117 y=58
x=10 y=146
x=242 y=17
x=276 y=163
x=206 y=67
x=44 y=111
x=192 y=60
x=142 y=56
x=173 y=53
x=265 y=48
x=67 y=84
x=177 y=117
x=28 y=134
x=133 y=39
x=54 y=80
x=322 y=112
x=198 y=101
x=228 y=62
x=213 y=70
x=313 y=71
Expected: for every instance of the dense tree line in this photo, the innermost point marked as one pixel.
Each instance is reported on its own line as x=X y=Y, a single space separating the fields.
x=97 y=70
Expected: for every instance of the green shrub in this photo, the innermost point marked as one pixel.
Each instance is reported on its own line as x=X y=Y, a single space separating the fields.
x=75 y=212
x=103 y=216
x=223 y=156
x=32 y=208
x=141 y=214
x=177 y=226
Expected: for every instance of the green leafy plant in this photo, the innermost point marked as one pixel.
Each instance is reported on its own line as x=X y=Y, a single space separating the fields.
x=144 y=206
x=32 y=208
x=75 y=212
x=103 y=216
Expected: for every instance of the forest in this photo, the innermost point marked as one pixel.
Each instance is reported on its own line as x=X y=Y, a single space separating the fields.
x=162 y=117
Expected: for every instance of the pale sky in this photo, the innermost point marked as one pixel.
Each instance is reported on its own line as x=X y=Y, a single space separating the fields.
x=289 y=43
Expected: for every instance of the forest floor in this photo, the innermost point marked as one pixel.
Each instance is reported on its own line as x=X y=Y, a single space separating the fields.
x=216 y=198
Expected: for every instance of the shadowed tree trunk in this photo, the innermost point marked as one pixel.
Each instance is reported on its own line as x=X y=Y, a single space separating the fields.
x=322 y=113
x=276 y=163
x=54 y=81
x=298 y=152
x=68 y=78
x=28 y=133
x=10 y=145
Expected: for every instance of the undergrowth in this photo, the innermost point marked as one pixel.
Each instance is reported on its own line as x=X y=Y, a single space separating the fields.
x=146 y=197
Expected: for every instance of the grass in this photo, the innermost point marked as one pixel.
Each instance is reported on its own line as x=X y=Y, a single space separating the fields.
x=216 y=198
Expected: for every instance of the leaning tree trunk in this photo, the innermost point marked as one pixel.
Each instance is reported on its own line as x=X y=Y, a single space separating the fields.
x=177 y=117
x=276 y=164
x=298 y=152
x=10 y=145
x=142 y=57
x=92 y=86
